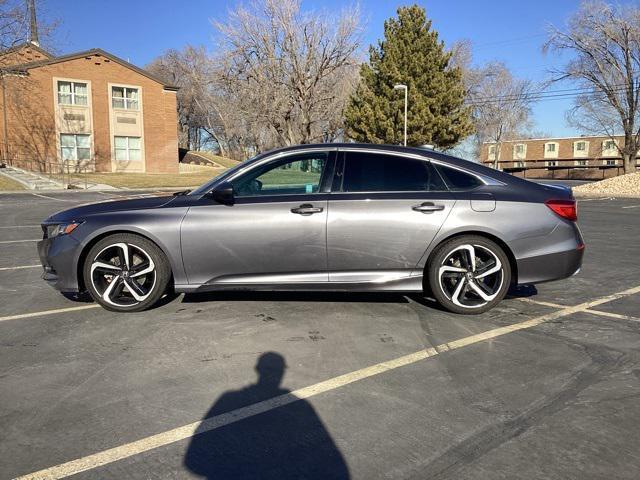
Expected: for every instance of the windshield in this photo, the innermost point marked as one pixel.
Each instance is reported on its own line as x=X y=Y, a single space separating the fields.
x=207 y=186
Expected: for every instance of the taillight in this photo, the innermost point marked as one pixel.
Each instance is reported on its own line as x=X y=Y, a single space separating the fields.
x=564 y=208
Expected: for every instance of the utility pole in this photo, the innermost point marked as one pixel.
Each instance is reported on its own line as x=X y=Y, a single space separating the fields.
x=406 y=89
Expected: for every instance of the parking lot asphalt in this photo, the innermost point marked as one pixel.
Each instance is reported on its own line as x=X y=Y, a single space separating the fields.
x=319 y=385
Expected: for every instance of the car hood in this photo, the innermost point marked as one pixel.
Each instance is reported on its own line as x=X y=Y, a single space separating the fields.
x=82 y=211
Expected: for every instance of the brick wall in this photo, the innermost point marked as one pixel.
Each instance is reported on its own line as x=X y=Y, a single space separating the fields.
x=35 y=94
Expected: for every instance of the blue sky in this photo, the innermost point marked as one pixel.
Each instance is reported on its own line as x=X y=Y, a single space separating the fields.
x=506 y=30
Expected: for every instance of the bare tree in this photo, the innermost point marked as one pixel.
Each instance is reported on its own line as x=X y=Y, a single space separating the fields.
x=199 y=117
x=501 y=105
x=17 y=24
x=289 y=73
x=604 y=41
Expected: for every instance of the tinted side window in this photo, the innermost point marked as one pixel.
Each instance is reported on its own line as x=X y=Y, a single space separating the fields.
x=458 y=180
x=370 y=172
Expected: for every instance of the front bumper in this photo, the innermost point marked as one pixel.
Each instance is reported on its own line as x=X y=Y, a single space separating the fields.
x=59 y=262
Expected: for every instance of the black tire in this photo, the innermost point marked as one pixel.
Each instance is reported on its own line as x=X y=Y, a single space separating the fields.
x=455 y=254
x=138 y=285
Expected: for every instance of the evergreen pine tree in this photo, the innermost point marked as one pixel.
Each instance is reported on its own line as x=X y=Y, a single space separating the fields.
x=410 y=54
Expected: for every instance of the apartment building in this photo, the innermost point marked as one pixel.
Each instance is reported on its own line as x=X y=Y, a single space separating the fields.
x=589 y=157
x=85 y=111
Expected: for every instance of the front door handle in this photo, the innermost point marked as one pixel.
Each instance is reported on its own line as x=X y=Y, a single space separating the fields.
x=306 y=209
x=427 y=207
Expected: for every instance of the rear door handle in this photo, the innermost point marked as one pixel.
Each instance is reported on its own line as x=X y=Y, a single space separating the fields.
x=427 y=207
x=306 y=209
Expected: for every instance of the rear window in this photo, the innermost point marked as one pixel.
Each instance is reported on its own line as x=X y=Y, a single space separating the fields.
x=458 y=180
x=370 y=172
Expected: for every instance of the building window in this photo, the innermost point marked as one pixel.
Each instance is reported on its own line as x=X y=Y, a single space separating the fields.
x=580 y=163
x=75 y=147
x=581 y=149
x=519 y=164
x=581 y=146
x=127 y=148
x=519 y=151
x=551 y=150
x=609 y=163
x=124 y=97
x=609 y=148
x=72 y=93
x=492 y=152
x=551 y=163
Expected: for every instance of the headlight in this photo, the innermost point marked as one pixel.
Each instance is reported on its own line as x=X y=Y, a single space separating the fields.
x=55 y=230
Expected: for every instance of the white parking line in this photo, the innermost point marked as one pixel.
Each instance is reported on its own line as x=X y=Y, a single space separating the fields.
x=20 y=241
x=48 y=312
x=52 y=198
x=632 y=206
x=212 y=423
x=19 y=267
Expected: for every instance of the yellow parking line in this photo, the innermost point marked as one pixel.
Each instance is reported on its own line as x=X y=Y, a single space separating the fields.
x=212 y=423
x=20 y=267
x=613 y=315
x=540 y=302
x=20 y=241
x=48 y=312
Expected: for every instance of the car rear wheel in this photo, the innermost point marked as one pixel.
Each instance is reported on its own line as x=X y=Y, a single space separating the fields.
x=469 y=274
x=126 y=273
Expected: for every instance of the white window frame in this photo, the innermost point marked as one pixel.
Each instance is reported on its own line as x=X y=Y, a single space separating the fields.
x=125 y=100
x=609 y=152
x=492 y=152
x=73 y=93
x=610 y=162
x=128 y=149
x=581 y=163
x=551 y=154
x=581 y=153
x=75 y=147
x=523 y=154
x=519 y=164
x=551 y=163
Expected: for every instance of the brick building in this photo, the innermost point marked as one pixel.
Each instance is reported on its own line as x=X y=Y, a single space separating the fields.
x=85 y=111
x=589 y=157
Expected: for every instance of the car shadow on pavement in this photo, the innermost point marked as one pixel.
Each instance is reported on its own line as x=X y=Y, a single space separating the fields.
x=285 y=442
x=291 y=296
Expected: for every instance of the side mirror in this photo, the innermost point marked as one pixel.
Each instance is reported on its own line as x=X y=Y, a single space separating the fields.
x=223 y=194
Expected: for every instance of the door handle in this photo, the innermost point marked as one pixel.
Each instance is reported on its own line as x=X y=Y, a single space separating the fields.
x=427 y=207
x=306 y=209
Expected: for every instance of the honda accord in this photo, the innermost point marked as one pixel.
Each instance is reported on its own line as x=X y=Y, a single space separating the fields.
x=339 y=217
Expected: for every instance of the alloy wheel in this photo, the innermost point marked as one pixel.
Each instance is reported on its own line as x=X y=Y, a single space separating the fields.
x=471 y=276
x=123 y=274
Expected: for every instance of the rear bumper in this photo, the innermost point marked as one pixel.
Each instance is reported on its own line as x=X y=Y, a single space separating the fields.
x=553 y=266
x=57 y=256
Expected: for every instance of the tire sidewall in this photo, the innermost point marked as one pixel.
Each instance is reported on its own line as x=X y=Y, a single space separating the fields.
x=437 y=259
x=163 y=270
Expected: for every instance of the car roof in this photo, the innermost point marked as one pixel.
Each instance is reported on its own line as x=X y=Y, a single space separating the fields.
x=429 y=153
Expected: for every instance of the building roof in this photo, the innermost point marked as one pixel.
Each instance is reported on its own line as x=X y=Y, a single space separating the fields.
x=99 y=53
x=551 y=139
x=31 y=45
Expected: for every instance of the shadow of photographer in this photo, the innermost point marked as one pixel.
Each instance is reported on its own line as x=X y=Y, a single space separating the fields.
x=289 y=441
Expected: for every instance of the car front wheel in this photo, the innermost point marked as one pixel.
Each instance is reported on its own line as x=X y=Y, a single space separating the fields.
x=469 y=274
x=126 y=273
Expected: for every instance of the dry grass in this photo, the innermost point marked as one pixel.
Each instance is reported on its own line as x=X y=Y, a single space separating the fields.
x=147 y=180
x=223 y=161
x=7 y=184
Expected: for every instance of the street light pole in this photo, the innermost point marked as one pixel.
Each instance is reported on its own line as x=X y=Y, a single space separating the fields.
x=406 y=89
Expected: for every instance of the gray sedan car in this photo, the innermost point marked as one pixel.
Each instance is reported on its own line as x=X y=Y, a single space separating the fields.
x=339 y=217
